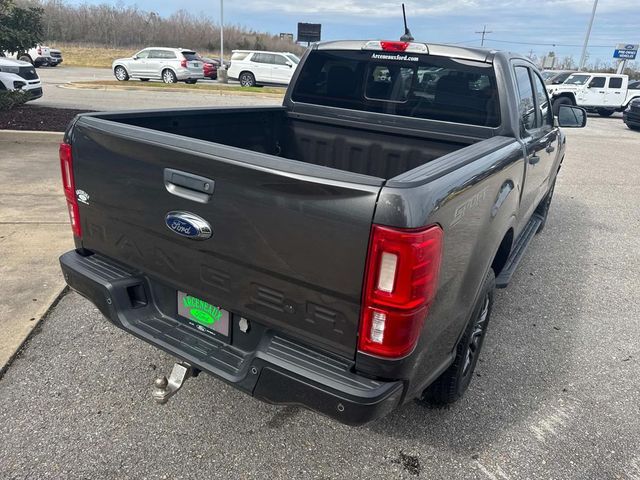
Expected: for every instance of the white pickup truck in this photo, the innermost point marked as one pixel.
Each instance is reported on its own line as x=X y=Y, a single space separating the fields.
x=604 y=93
x=36 y=56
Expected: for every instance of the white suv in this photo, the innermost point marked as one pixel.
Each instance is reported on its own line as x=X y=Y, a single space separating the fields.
x=17 y=75
x=604 y=93
x=253 y=68
x=167 y=64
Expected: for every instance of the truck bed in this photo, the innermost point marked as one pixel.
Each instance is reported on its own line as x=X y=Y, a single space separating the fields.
x=273 y=131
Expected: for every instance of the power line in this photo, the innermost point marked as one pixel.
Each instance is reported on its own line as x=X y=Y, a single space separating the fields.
x=484 y=32
x=546 y=44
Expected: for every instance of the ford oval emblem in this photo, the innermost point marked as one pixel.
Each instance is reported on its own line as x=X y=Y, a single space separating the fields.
x=188 y=225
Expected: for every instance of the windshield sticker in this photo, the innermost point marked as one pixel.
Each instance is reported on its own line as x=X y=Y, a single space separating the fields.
x=399 y=57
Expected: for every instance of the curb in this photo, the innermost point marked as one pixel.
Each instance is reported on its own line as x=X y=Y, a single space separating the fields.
x=36 y=328
x=212 y=91
x=30 y=136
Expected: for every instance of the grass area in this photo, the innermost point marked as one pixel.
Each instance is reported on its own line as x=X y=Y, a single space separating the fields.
x=100 y=56
x=204 y=87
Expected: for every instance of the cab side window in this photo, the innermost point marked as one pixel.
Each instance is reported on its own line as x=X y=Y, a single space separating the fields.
x=545 y=115
x=526 y=104
x=597 y=82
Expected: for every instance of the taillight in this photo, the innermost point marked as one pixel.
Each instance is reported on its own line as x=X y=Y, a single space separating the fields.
x=69 y=186
x=39 y=51
x=183 y=63
x=400 y=283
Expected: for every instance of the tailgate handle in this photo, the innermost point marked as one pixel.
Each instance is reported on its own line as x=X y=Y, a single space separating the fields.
x=188 y=185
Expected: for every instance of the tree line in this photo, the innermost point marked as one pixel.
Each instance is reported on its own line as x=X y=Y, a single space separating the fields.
x=129 y=26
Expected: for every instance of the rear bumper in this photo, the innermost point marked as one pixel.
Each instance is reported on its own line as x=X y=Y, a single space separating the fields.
x=270 y=367
x=186 y=74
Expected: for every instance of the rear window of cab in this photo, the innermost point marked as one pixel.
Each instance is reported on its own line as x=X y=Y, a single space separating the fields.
x=405 y=84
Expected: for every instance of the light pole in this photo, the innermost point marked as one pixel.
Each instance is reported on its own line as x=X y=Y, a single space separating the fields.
x=583 y=57
x=222 y=34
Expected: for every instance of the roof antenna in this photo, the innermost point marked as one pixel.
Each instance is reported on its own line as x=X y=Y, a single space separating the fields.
x=407 y=37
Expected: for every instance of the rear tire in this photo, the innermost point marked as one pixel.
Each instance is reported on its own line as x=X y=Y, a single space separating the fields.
x=191 y=82
x=121 y=73
x=452 y=384
x=604 y=112
x=144 y=79
x=169 y=77
x=555 y=106
x=247 y=79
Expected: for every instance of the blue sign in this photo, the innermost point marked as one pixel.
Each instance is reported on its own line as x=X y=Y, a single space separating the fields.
x=625 y=51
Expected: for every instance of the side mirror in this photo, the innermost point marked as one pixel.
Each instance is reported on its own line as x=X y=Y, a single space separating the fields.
x=135 y=57
x=570 y=116
x=289 y=64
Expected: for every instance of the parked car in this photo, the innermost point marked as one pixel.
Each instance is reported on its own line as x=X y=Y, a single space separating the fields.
x=604 y=93
x=37 y=56
x=210 y=67
x=631 y=115
x=253 y=68
x=634 y=85
x=556 y=77
x=22 y=76
x=170 y=65
x=339 y=252
x=56 y=57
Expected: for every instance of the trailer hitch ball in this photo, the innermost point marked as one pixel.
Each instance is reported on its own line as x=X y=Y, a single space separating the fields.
x=164 y=388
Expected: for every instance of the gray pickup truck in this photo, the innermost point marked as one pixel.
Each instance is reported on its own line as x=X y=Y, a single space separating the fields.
x=338 y=252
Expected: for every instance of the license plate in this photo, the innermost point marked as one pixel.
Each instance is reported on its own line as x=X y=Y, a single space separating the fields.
x=204 y=316
x=196 y=65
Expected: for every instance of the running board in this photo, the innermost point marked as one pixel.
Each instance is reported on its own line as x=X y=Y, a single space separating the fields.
x=518 y=250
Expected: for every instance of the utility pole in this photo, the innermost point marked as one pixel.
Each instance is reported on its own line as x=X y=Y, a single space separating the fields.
x=484 y=32
x=583 y=57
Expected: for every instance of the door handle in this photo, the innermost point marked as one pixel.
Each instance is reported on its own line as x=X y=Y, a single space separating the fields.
x=550 y=148
x=188 y=185
x=533 y=159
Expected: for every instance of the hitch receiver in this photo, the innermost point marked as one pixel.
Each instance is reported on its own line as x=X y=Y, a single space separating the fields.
x=164 y=389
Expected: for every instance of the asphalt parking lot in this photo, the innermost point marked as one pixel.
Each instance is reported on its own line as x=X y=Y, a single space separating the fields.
x=57 y=93
x=556 y=396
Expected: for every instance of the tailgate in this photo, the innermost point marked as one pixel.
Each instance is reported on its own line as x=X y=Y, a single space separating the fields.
x=289 y=240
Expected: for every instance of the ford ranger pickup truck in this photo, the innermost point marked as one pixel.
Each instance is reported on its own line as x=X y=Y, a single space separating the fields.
x=338 y=252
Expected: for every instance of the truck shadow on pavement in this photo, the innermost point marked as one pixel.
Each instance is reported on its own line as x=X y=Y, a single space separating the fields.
x=521 y=376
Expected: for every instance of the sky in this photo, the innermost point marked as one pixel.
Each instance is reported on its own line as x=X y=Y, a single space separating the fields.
x=536 y=24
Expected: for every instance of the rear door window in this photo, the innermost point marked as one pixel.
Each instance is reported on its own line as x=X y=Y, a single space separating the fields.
x=409 y=85
x=615 y=82
x=263 y=58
